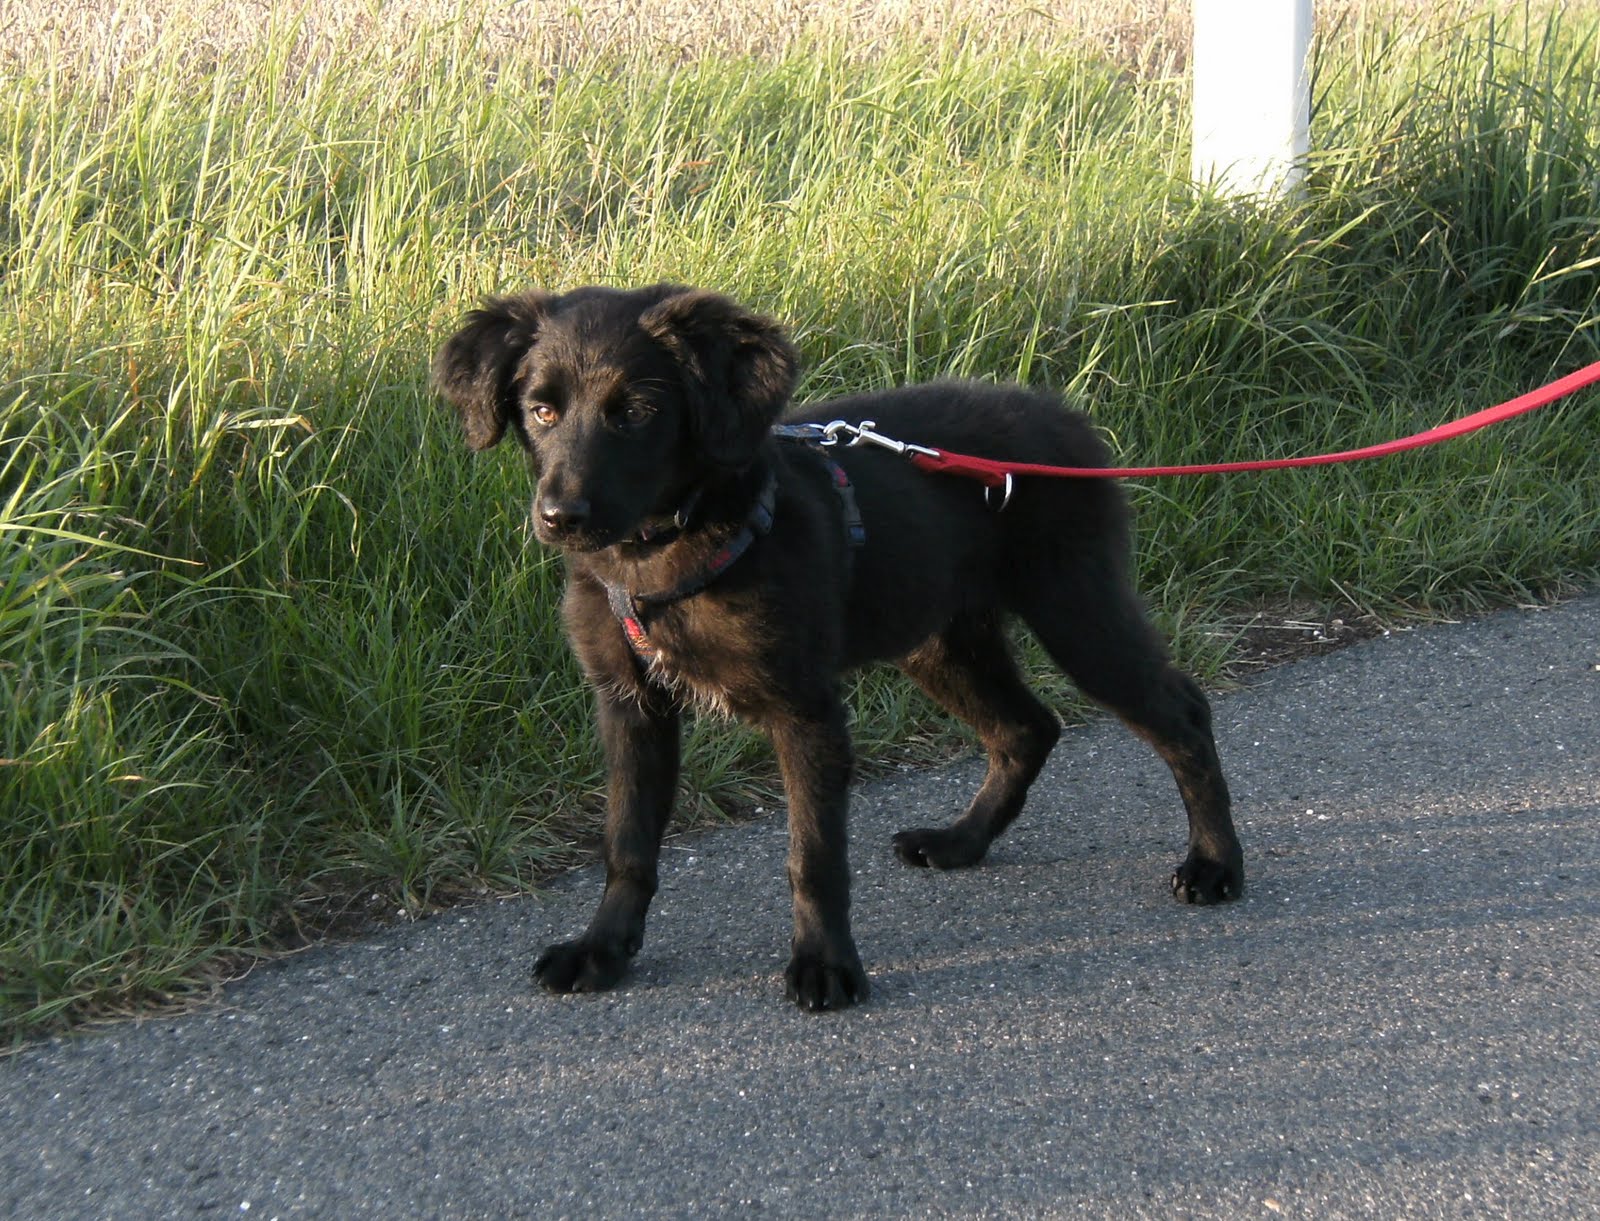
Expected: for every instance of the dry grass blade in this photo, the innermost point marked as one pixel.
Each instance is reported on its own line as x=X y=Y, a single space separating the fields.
x=104 y=38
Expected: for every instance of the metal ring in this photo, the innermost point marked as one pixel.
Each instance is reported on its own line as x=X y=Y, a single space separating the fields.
x=832 y=429
x=1005 y=497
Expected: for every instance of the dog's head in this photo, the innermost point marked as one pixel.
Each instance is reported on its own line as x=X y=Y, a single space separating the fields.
x=626 y=401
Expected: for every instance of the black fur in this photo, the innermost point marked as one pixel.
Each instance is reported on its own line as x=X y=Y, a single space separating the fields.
x=645 y=414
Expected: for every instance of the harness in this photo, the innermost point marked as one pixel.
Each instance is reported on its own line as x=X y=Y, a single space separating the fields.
x=632 y=610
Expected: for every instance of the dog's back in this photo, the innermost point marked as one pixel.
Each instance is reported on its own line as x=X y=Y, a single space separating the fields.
x=936 y=545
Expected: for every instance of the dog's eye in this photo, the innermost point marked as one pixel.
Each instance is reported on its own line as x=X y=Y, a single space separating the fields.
x=544 y=413
x=636 y=414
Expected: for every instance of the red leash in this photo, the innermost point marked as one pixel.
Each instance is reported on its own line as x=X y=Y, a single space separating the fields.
x=995 y=473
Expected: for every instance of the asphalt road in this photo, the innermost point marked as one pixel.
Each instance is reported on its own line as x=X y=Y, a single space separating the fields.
x=1400 y=1018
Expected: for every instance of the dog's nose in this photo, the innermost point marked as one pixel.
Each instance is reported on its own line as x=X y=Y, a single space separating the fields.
x=562 y=516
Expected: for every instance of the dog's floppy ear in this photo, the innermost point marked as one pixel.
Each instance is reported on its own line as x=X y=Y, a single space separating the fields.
x=475 y=369
x=740 y=369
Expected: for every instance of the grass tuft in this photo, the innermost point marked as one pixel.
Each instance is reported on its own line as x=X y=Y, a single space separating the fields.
x=272 y=643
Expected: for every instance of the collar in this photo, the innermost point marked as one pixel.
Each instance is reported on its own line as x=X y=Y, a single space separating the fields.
x=632 y=610
x=665 y=530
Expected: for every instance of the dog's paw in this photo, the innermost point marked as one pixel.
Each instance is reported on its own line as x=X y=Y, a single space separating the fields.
x=938 y=848
x=815 y=982
x=579 y=966
x=1202 y=880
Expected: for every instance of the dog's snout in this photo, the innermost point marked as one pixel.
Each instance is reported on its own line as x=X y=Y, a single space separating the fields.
x=562 y=515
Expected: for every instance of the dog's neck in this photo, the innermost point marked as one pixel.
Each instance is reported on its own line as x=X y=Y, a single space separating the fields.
x=695 y=559
x=707 y=516
x=664 y=527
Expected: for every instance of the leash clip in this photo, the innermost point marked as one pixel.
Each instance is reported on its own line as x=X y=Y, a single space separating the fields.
x=867 y=432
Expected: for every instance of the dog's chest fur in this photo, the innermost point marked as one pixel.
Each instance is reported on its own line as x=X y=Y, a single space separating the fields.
x=690 y=685
x=708 y=652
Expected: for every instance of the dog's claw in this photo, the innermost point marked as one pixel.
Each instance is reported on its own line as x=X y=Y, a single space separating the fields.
x=938 y=848
x=577 y=966
x=817 y=985
x=1201 y=881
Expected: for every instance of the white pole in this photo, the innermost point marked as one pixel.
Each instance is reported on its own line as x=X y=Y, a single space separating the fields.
x=1252 y=94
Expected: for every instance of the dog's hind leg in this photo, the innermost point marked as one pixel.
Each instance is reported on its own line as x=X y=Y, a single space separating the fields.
x=1088 y=618
x=968 y=671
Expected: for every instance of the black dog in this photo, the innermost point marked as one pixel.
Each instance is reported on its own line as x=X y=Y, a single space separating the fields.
x=714 y=565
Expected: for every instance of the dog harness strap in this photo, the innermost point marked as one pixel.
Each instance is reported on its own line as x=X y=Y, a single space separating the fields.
x=633 y=627
x=855 y=531
x=632 y=609
x=816 y=436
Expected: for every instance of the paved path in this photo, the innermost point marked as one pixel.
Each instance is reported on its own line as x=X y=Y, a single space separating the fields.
x=1400 y=1019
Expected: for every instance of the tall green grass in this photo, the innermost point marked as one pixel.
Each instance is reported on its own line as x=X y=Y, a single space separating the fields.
x=273 y=646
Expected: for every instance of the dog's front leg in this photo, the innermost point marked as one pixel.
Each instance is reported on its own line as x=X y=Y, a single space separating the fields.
x=641 y=746
x=815 y=757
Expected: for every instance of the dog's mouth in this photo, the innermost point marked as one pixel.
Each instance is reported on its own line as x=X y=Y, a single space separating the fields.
x=575 y=542
x=586 y=537
x=565 y=529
